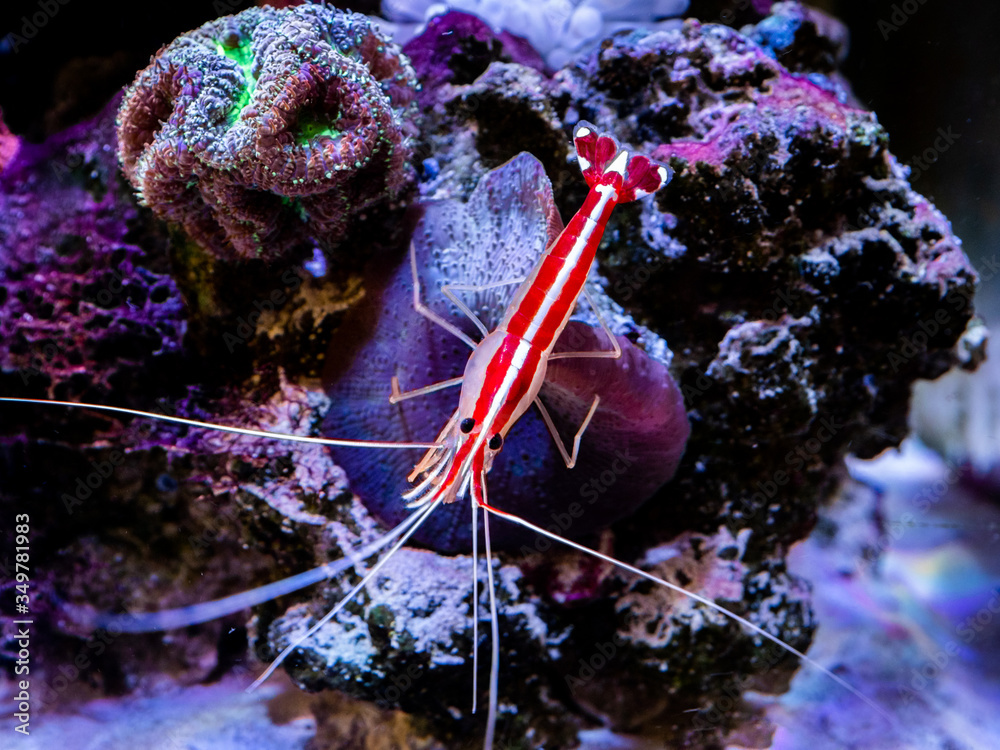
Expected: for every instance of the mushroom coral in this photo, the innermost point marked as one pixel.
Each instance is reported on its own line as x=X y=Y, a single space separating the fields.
x=257 y=131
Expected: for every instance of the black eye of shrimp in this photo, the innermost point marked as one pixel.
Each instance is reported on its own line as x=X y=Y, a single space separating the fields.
x=495 y=442
x=467 y=424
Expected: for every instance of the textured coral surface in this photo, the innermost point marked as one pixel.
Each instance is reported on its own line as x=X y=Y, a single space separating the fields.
x=790 y=267
x=267 y=128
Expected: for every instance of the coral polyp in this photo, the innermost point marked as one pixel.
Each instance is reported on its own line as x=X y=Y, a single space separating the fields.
x=257 y=131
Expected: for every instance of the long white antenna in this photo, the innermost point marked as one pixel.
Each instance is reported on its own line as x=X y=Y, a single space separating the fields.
x=696 y=597
x=491 y=716
x=475 y=603
x=422 y=516
x=224 y=428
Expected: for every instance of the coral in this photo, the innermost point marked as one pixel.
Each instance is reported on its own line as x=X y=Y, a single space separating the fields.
x=76 y=284
x=261 y=130
x=803 y=38
x=9 y=145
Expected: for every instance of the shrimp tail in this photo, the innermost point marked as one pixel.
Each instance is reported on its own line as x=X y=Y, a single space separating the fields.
x=598 y=155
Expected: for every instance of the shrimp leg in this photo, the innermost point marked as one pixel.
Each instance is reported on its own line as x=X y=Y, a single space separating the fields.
x=420 y=307
x=432 y=316
x=449 y=291
x=569 y=459
x=398 y=395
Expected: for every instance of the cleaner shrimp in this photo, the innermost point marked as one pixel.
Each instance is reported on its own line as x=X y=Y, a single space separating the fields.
x=501 y=382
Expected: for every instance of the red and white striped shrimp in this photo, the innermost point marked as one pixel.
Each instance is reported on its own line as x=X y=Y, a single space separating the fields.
x=502 y=380
x=507 y=368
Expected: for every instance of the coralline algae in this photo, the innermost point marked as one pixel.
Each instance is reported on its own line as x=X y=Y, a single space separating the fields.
x=9 y=145
x=789 y=266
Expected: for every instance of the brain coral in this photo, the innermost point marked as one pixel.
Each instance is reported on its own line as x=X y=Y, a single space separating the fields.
x=257 y=130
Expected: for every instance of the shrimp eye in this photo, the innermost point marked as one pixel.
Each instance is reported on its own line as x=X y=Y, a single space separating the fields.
x=467 y=424
x=495 y=442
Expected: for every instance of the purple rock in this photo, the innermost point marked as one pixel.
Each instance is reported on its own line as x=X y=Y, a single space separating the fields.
x=75 y=284
x=457 y=47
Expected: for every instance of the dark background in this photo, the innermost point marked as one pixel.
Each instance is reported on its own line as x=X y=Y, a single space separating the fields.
x=940 y=68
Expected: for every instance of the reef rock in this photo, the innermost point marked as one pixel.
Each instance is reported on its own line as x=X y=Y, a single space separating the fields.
x=802 y=285
x=561 y=30
x=800 y=282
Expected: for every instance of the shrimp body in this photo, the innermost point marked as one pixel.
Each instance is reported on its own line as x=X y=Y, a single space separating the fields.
x=506 y=370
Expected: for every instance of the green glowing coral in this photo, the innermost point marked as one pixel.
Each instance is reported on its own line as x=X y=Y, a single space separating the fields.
x=257 y=131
